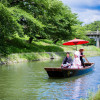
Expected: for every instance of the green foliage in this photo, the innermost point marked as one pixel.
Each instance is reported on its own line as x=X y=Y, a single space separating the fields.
x=93 y=96
x=57 y=18
x=31 y=26
x=92 y=42
x=80 y=32
x=31 y=56
x=38 y=19
x=97 y=96
x=20 y=57
x=93 y=26
x=8 y=24
x=4 y=2
x=60 y=21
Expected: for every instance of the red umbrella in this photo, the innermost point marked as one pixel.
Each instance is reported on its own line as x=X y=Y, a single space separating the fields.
x=75 y=42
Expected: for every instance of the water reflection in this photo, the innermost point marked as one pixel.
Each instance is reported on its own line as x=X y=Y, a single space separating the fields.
x=29 y=81
x=71 y=88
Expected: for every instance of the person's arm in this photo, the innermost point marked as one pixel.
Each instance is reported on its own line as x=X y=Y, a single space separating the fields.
x=64 y=61
x=82 y=55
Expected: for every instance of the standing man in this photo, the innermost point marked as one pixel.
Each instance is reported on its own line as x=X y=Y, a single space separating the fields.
x=67 y=61
x=81 y=56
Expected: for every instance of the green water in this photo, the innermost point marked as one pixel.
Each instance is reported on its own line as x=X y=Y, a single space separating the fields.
x=22 y=81
x=29 y=81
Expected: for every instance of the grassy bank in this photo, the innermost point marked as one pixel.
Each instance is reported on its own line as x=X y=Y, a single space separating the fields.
x=25 y=57
x=19 y=50
x=97 y=96
x=21 y=45
x=93 y=96
x=37 y=56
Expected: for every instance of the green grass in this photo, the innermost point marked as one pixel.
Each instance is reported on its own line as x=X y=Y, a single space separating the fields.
x=97 y=96
x=34 y=56
x=93 y=96
x=20 y=57
x=18 y=49
x=17 y=45
x=21 y=45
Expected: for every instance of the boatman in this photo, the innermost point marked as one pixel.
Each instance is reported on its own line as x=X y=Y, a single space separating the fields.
x=81 y=56
x=67 y=62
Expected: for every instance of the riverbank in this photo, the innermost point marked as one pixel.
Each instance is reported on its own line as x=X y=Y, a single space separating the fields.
x=19 y=50
x=93 y=96
x=97 y=96
x=25 y=57
x=38 y=56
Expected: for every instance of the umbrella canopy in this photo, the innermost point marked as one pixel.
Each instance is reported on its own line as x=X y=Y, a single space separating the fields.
x=75 y=42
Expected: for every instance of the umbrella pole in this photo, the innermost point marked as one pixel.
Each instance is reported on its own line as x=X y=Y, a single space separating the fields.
x=76 y=47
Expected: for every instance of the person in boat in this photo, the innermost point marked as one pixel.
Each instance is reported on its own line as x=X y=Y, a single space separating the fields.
x=76 y=60
x=67 y=62
x=81 y=56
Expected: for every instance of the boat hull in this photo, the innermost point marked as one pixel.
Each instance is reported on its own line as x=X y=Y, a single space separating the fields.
x=68 y=72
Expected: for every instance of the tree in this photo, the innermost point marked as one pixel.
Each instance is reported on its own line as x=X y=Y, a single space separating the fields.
x=31 y=26
x=60 y=21
x=8 y=24
x=93 y=26
x=43 y=18
x=80 y=32
x=57 y=18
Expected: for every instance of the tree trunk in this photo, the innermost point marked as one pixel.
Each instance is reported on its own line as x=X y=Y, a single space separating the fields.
x=30 y=40
x=40 y=37
x=56 y=41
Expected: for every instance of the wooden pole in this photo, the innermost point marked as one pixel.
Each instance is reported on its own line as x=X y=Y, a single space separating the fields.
x=86 y=59
x=76 y=47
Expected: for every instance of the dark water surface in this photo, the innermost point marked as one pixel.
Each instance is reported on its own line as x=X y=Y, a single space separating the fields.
x=29 y=81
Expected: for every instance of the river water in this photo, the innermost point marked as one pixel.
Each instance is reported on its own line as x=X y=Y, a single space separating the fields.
x=29 y=81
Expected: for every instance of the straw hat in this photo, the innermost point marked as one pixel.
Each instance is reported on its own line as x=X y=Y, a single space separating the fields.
x=81 y=49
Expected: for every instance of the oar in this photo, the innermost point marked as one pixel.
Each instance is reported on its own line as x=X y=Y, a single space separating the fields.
x=86 y=59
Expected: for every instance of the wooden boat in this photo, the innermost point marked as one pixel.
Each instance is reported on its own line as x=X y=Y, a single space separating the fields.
x=68 y=72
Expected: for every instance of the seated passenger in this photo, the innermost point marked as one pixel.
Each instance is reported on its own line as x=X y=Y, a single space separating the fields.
x=67 y=61
x=76 y=60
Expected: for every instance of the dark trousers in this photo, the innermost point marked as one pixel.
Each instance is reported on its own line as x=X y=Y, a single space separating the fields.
x=82 y=63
